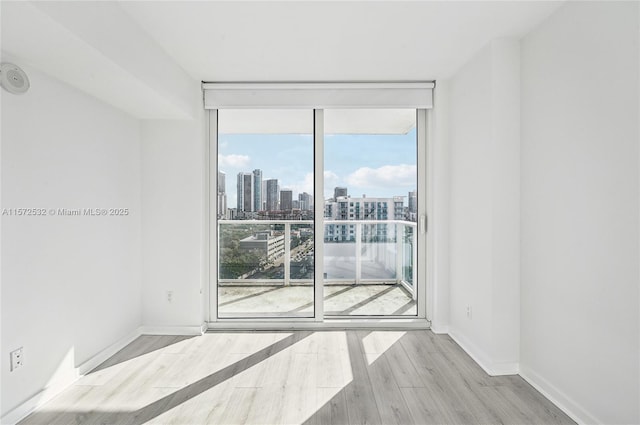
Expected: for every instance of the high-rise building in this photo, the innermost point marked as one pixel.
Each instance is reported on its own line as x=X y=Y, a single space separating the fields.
x=222 y=185
x=286 y=200
x=222 y=205
x=338 y=192
x=412 y=208
x=272 y=194
x=413 y=202
x=257 y=190
x=222 y=195
x=245 y=192
x=305 y=201
x=264 y=195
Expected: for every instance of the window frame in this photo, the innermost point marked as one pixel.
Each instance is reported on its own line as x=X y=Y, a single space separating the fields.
x=423 y=255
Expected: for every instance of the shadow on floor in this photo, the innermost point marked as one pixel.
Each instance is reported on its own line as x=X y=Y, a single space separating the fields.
x=150 y=343
x=173 y=400
x=418 y=378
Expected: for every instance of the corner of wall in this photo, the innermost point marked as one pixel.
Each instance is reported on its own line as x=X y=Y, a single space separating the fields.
x=485 y=207
x=173 y=232
x=441 y=188
x=569 y=406
x=482 y=358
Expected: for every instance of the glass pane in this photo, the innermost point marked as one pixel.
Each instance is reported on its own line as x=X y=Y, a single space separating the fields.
x=407 y=254
x=370 y=210
x=302 y=261
x=339 y=252
x=265 y=213
x=379 y=254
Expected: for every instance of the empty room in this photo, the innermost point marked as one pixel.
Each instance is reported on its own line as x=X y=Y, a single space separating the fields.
x=319 y=212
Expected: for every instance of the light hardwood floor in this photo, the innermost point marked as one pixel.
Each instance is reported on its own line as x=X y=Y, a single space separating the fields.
x=302 y=377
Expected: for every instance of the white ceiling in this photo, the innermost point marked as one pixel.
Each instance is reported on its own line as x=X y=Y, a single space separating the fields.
x=148 y=57
x=330 y=41
x=97 y=48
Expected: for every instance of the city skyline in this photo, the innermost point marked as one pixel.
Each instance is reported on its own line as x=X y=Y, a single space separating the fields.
x=277 y=198
x=371 y=165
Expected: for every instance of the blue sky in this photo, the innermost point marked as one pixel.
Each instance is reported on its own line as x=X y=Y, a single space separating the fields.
x=375 y=165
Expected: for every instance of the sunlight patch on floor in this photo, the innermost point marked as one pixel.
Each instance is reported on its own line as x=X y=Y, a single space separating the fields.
x=376 y=343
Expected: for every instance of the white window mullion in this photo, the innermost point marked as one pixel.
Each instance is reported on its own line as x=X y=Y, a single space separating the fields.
x=318 y=193
x=421 y=234
x=213 y=215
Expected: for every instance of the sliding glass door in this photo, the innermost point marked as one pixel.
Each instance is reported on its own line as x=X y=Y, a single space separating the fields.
x=265 y=213
x=370 y=219
x=270 y=222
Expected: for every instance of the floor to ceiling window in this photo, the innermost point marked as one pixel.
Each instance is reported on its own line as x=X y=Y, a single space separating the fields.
x=316 y=213
x=370 y=218
x=265 y=213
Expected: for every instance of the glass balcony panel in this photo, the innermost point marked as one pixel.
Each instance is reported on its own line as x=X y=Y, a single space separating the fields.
x=251 y=251
x=378 y=252
x=253 y=278
x=407 y=254
x=339 y=252
x=302 y=258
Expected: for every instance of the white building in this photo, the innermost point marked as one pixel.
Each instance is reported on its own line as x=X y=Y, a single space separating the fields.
x=267 y=244
x=360 y=209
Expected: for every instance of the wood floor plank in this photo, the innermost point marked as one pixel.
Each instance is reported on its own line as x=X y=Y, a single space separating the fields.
x=421 y=406
x=453 y=394
x=300 y=391
x=271 y=394
x=402 y=368
x=361 y=402
x=536 y=404
x=333 y=360
x=332 y=408
x=391 y=404
x=315 y=378
x=237 y=409
x=62 y=409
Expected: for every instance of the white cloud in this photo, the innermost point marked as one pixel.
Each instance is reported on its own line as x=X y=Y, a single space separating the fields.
x=385 y=176
x=304 y=186
x=233 y=160
x=330 y=178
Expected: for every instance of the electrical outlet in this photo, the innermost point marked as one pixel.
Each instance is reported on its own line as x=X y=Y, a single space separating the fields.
x=169 y=296
x=469 y=312
x=16 y=359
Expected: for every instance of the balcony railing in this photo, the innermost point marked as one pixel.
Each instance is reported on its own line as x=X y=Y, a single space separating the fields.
x=281 y=252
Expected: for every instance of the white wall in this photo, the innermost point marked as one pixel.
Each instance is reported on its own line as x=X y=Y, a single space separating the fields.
x=579 y=324
x=484 y=222
x=172 y=225
x=440 y=219
x=70 y=285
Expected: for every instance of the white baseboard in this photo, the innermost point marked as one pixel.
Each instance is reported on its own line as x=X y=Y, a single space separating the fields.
x=43 y=396
x=558 y=397
x=173 y=330
x=480 y=357
x=105 y=354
